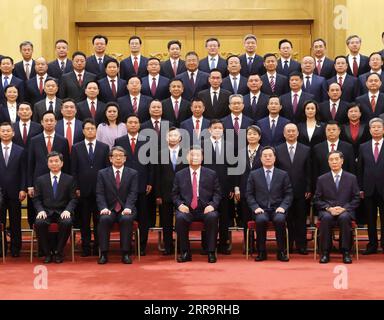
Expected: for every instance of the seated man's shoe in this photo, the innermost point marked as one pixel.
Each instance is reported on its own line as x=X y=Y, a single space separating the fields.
x=15 y=254
x=103 y=259
x=59 y=258
x=212 y=257
x=48 y=259
x=281 y=256
x=347 y=257
x=261 y=256
x=168 y=252
x=142 y=252
x=324 y=257
x=184 y=257
x=126 y=259
x=302 y=251
x=370 y=250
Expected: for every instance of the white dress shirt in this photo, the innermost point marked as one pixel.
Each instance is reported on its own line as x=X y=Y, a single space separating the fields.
x=120 y=171
x=298 y=95
x=138 y=59
x=150 y=78
x=58 y=175
x=38 y=80
x=336 y=104
x=65 y=121
x=87 y=142
x=12 y=110
x=270 y=121
x=52 y=135
x=216 y=57
x=21 y=126
x=47 y=100
x=89 y=101
x=330 y=147
x=350 y=60
x=116 y=79
x=240 y=118
x=374 y=144
x=212 y=93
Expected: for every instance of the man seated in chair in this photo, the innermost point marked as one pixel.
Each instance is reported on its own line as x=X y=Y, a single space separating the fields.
x=116 y=194
x=269 y=195
x=55 y=202
x=196 y=196
x=336 y=199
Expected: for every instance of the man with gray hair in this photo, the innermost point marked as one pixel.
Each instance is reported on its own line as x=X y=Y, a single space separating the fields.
x=357 y=63
x=25 y=69
x=251 y=63
x=371 y=181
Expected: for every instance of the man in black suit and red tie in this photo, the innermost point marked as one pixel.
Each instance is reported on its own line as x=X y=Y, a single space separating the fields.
x=213 y=60
x=34 y=87
x=251 y=63
x=91 y=107
x=55 y=202
x=61 y=64
x=136 y=63
x=196 y=196
x=154 y=85
x=116 y=194
x=25 y=69
x=336 y=199
x=96 y=63
x=357 y=63
x=334 y=108
x=324 y=65
x=376 y=61
x=174 y=65
x=111 y=86
x=285 y=64
x=269 y=196
x=273 y=82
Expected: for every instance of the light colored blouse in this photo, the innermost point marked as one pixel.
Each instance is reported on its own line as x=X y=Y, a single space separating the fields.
x=108 y=134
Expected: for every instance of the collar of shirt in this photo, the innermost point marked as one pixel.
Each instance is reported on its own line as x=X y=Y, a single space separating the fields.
x=342 y=77
x=120 y=169
x=77 y=74
x=138 y=58
x=174 y=149
x=378 y=72
x=53 y=175
x=65 y=62
x=194 y=121
x=89 y=101
x=255 y=95
x=271 y=75
x=65 y=121
x=197 y=173
x=12 y=106
x=194 y=74
x=298 y=94
x=87 y=142
x=9 y=78
x=250 y=151
x=30 y=62
x=52 y=135
x=137 y=98
x=336 y=103
x=307 y=75
x=380 y=144
x=321 y=59
x=97 y=58
x=212 y=91
x=370 y=94
x=350 y=59
x=7 y=145
x=174 y=60
x=150 y=78
x=276 y=120
x=21 y=125
x=153 y=121
x=265 y=171
x=337 y=173
x=216 y=57
x=53 y=100
x=174 y=99
x=240 y=117
x=214 y=141
x=252 y=56
x=294 y=146
x=115 y=78
x=283 y=61
x=232 y=76
x=38 y=79
x=335 y=143
x=135 y=136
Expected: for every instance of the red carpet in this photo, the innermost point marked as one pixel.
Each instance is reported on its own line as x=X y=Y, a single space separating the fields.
x=158 y=277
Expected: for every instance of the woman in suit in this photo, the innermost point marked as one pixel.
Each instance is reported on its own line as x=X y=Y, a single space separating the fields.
x=251 y=154
x=111 y=128
x=8 y=111
x=311 y=130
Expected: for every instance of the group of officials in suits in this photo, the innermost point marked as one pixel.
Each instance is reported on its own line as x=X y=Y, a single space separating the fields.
x=50 y=115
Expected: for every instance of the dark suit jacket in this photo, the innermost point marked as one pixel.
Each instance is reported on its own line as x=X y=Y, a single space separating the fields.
x=83 y=170
x=261 y=110
x=205 y=65
x=318 y=88
x=37 y=156
x=65 y=195
x=215 y=111
x=228 y=124
x=346 y=196
x=127 y=71
x=293 y=66
x=162 y=89
x=32 y=92
x=77 y=133
x=126 y=108
x=242 y=87
x=20 y=87
x=13 y=178
x=40 y=107
x=107 y=193
x=169 y=113
x=188 y=126
x=257 y=66
x=370 y=173
x=201 y=83
x=287 y=109
x=341 y=115
x=258 y=195
x=145 y=171
x=4 y=113
x=243 y=179
x=209 y=189
x=266 y=132
x=299 y=171
x=19 y=71
x=327 y=70
x=92 y=66
x=281 y=84
x=164 y=126
x=106 y=95
x=69 y=85
x=363 y=79
x=317 y=137
x=363 y=66
x=363 y=136
x=366 y=108
x=34 y=129
x=83 y=111
x=350 y=89
x=54 y=69
x=167 y=68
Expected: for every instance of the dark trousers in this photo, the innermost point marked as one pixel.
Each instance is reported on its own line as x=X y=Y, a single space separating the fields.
x=262 y=220
x=328 y=222
x=371 y=204
x=31 y=212
x=151 y=208
x=88 y=210
x=224 y=221
x=143 y=218
x=166 y=222
x=42 y=226
x=297 y=223
x=183 y=221
x=14 y=212
x=246 y=215
x=126 y=228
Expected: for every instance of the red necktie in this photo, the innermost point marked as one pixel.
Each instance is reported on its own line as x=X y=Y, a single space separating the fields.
x=93 y=109
x=135 y=65
x=373 y=103
x=236 y=125
x=113 y=87
x=69 y=136
x=133 y=145
x=118 y=180
x=333 y=147
x=41 y=86
x=80 y=79
x=318 y=67
x=376 y=152
x=355 y=67
x=176 y=109
x=295 y=102
x=49 y=144
x=194 y=191
x=333 y=111
x=25 y=134
x=134 y=106
x=153 y=87
x=341 y=81
x=175 y=68
x=197 y=127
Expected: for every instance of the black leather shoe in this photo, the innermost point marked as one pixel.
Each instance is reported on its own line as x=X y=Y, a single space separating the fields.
x=167 y=252
x=126 y=259
x=15 y=254
x=103 y=259
x=370 y=250
x=281 y=256
x=302 y=251
x=324 y=258
x=59 y=258
x=347 y=257
x=48 y=259
x=184 y=257
x=261 y=256
x=142 y=252
x=212 y=257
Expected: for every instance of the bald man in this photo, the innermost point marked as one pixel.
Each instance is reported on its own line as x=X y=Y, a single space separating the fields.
x=34 y=87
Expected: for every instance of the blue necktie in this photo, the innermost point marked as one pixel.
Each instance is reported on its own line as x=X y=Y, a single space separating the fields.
x=212 y=63
x=101 y=66
x=250 y=60
x=268 y=178
x=235 y=87
x=54 y=186
x=5 y=82
x=337 y=180
x=174 y=160
x=91 y=153
x=285 y=68
x=273 y=128
x=254 y=104
x=307 y=83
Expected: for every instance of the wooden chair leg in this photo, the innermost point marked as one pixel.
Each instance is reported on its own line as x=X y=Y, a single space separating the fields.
x=315 y=245
x=247 y=245
x=356 y=244
x=287 y=236
x=32 y=236
x=3 y=244
x=138 y=242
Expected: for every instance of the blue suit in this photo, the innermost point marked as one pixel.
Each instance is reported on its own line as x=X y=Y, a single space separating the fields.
x=78 y=131
x=318 y=88
x=266 y=132
x=162 y=88
x=242 y=87
x=126 y=107
x=201 y=83
x=127 y=70
x=106 y=95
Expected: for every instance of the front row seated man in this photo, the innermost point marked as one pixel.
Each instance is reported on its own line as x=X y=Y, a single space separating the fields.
x=55 y=202
x=269 y=195
x=336 y=199
x=116 y=194
x=196 y=196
